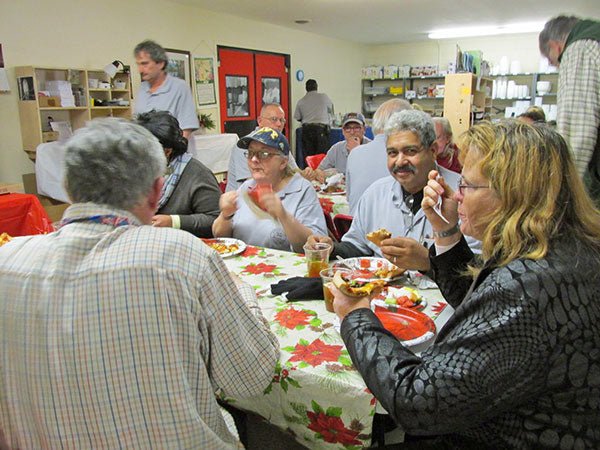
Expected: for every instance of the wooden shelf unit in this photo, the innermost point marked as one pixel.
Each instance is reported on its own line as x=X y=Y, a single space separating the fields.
x=35 y=118
x=467 y=98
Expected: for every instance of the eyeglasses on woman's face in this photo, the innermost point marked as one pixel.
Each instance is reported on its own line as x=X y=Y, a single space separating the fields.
x=259 y=154
x=463 y=185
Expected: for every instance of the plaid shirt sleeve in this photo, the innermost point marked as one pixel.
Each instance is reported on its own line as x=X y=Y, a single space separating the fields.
x=579 y=100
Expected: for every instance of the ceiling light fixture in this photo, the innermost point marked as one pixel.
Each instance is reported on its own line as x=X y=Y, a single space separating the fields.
x=528 y=27
x=302 y=21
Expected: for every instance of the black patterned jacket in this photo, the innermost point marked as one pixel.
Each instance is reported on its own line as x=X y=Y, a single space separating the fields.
x=516 y=366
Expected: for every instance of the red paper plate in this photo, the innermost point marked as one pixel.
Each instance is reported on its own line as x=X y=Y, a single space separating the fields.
x=409 y=326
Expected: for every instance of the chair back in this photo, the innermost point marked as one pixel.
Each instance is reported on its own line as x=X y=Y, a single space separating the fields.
x=333 y=234
x=342 y=224
x=313 y=161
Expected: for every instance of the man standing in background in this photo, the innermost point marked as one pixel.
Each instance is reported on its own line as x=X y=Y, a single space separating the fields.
x=573 y=45
x=161 y=91
x=314 y=111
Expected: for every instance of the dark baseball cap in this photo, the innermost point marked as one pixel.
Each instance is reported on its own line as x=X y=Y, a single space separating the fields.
x=267 y=136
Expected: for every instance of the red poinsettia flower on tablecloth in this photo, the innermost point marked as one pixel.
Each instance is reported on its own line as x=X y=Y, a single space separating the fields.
x=251 y=251
x=316 y=352
x=332 y=429
x=439 y=307
x=326 y=204
x=257 y=269
x=291 y=318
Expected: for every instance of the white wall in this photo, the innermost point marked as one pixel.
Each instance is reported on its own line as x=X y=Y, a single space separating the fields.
x=91 y=33
x=522 y=47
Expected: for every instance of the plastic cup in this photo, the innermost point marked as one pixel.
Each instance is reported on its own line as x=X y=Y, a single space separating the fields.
x=327 y=277
x=317 y=258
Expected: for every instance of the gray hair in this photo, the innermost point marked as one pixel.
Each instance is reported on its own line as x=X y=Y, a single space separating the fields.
x=418 y=122
x=385 y=110
x=446 y=127
x=556 y=29
x=112 y=162
x=154 y=50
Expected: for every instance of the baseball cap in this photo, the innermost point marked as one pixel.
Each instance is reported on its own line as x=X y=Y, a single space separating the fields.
x=353 y=117
x=267 y=136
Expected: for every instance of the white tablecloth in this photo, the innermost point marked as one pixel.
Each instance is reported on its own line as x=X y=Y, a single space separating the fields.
x=213 y=150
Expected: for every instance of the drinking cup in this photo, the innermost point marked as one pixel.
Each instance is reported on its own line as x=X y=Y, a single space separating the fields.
x=317 y=258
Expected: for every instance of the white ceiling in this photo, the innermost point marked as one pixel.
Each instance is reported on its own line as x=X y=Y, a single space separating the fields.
x=393 y=21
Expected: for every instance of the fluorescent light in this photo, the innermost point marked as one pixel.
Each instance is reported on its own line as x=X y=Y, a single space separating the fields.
x=528 y=27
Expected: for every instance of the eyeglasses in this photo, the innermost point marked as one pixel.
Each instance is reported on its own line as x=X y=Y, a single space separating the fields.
x=406 y=151
x=275 y=119
x=462 y=186
x=353 y=128
x=260 y=155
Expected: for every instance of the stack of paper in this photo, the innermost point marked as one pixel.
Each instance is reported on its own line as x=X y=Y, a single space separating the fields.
x=62 y=89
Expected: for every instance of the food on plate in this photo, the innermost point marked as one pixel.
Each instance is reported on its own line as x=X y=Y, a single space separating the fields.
x=256 y=193
x=390 y=271
x=405 y=297
x=349 y=285
x=4 y=238
x=377 y=236
x=221 y=247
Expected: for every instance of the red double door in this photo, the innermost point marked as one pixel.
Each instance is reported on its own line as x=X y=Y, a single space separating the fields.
x=247 y=80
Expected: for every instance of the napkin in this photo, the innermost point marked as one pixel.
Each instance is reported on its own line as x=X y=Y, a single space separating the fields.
x=299 y=288
x=333 y=180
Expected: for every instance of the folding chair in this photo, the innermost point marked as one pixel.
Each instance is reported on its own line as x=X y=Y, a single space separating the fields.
x=342 y=224
x=313 y=161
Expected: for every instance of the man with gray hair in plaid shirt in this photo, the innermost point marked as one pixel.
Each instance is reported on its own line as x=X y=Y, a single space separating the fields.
x=117 y=334
x=574 y=44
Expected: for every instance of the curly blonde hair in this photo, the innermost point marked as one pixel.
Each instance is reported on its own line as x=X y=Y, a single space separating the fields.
x=541 y=195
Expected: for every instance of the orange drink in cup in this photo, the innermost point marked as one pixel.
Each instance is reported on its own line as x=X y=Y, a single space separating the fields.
x=327 y=277
x=317 y=258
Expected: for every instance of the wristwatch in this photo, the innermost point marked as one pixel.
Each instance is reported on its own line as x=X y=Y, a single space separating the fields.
x=447 y=233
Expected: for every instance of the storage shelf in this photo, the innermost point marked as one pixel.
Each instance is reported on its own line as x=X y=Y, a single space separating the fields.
x=61 y=108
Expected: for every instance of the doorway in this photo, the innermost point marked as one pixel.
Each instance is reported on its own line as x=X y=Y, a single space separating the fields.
x=247 y=80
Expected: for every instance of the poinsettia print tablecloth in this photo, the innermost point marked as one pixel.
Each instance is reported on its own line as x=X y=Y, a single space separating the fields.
x=334 y=204
x=315 y=394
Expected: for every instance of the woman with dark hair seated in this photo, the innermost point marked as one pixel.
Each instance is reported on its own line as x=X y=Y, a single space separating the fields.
x=190 y=195
x=518 y=363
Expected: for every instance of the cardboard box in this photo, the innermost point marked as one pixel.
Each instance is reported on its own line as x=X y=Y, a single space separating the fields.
x=54 y=208
x=49 y=136
x=49 y=102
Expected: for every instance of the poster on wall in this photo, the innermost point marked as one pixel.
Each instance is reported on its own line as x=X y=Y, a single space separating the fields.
x=204 y=70
x=4 y=87
x=238 y=104
x=271 y=88
x=179 y=65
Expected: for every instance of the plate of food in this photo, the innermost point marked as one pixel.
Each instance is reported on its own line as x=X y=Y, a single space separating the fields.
x=371 y=268
x=407 y=325
x=331 y=190
x=226 y=246
x=394 y=297
x=352 y=287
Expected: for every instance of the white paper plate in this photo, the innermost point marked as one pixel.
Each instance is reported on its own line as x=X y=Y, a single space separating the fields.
x=227 y=241
x=374 y=264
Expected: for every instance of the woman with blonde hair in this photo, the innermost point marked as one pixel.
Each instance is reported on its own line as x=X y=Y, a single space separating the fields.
x=518 y=364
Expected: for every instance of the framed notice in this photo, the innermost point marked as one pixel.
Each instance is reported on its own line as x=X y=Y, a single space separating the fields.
x=238 y=104
x=204 y=71
x=179 y=65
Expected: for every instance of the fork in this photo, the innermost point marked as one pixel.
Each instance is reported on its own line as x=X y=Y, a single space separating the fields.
x=438 y=206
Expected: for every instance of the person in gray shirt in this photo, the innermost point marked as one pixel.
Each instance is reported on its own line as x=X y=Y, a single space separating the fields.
x=367 y=163
x=272 y=116
x=160 y=91
x=314 y=111
x=394 y=202
x=353 y=129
